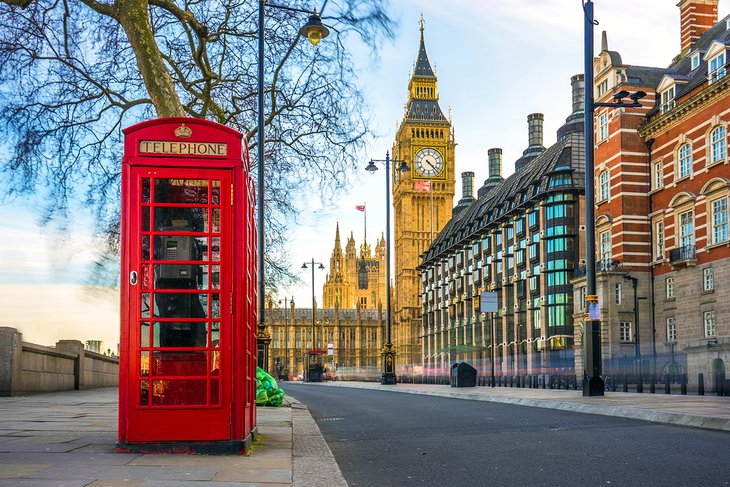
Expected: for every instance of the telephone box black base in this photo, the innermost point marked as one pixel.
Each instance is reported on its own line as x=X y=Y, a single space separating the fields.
x=238 y=447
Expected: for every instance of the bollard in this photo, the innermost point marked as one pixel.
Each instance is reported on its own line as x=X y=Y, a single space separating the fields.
x=517 y=381
x=626 y=383
x=718 y=384
x=701 y=385
x=684 y=385
x=652 y=383
x=640 y=383
x=667 y=387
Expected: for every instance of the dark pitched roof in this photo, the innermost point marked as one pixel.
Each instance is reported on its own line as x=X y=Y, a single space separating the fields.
x=425 y=111
x=519 y=191
x=422 y=67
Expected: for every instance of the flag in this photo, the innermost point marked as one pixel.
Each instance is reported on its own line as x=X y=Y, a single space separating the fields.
x=422 y=185
x=360 y=207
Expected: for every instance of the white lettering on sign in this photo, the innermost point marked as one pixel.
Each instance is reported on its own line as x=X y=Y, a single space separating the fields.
x=184 y=148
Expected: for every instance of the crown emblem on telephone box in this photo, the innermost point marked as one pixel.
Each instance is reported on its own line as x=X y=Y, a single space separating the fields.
x=183 y=132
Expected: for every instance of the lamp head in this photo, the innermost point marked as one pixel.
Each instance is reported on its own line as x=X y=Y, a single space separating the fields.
x=371 y=167
x=321 y=267
x=304 y=266
x=620 y=94
x=403 y=167
x=637 y=96
x=314 y=30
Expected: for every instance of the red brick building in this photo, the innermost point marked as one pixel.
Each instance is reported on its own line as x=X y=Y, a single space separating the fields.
x=662 y=188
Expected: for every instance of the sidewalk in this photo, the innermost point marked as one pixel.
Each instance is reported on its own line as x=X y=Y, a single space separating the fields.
x=67 y=438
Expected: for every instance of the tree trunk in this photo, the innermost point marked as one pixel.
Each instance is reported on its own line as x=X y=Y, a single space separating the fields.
x=133 y=16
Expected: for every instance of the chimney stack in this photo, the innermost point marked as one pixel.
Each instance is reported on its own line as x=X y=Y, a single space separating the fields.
x=574 y=122
x=467 y=186
x=495 y=172
x=695 y=18
x=534 y=128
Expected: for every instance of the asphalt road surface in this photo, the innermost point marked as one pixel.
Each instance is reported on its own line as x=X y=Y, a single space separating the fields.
x=395 y=439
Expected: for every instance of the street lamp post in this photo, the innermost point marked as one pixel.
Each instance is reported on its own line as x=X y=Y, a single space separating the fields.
x=388 y=353
x=593 y=384
x=321 y=267
x=314 y=31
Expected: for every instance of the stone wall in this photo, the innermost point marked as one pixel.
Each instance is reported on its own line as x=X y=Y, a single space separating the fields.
x=28 y=368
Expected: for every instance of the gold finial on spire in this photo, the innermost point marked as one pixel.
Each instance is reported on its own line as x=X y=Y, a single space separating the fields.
x=422 y=22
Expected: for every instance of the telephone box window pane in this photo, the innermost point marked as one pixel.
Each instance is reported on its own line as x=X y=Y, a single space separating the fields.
x=188 y=334
x=216 y=277
x=144 y=393
x=180 y=363
x=179 y=305
x=215 y=251
x=144 y=364
x=216 y=223
x=175 y=219
x=215 y=334
x=215 y=392
x=215 y=306
x=189 y=191
x=201 y=243
x=145 y=305
x=215 y=363
x=191 y=392
x=145 y=190
x=145 y=247
x=144 y=334
x=145 y=218
x=216 y=193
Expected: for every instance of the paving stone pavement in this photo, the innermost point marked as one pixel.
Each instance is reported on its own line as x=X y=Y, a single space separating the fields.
x=67 y=439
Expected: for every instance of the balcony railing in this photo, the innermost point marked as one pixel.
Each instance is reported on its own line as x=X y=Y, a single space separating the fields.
x=686 y=254
x=604 y=265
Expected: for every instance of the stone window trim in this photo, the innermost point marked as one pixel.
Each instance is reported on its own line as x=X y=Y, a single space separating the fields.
x=669 y=289
x=708 y=281
x=626 y=332
x=655 y=221
x=680 y=155
x=657 y=176
x=716 y=124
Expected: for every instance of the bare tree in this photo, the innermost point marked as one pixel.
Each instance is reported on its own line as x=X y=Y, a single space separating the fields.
x=73 y=73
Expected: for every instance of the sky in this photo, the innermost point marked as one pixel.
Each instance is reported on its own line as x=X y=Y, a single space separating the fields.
x=496 y=63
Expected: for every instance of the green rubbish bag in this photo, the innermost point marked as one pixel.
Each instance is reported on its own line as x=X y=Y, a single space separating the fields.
x=268 y=392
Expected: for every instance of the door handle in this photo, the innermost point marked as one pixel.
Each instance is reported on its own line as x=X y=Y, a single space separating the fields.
x=133 y=278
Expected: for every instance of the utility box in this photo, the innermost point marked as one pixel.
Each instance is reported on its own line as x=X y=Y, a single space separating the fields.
x=463 y=375
x=187 y=371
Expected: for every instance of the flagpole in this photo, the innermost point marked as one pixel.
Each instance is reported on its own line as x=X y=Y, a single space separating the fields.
x=365 y=224
x=430 y=190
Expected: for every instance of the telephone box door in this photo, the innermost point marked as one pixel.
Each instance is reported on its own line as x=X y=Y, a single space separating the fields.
x=180 y=287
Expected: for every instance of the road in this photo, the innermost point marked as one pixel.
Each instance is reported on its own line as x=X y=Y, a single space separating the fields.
x=394 y=439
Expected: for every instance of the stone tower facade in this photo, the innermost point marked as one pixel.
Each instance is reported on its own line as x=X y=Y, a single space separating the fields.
x=355 y=279
x=423 y=199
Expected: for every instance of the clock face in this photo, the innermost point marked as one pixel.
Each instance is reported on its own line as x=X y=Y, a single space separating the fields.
x=429 y=162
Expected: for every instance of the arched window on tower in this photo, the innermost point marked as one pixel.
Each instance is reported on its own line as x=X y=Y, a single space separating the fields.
x=362 y=275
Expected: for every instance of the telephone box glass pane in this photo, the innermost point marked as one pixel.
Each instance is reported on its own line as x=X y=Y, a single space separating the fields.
x=215 y=392
x=183 y=392
x=191 y=334
x=216 y=196
x=145 y=190
x=189 y=191
x=144 y=393
x=215 y=251
x=145 y=247
x=215 y=331
x=144 y=334
x=215 y=363
x=216 y=224
x=176 y=219
x=144 y=364
x=180 y=363
x=145 y=218
x=145 y=308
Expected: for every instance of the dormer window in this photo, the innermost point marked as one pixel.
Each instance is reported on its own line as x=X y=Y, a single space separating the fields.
x=695 y=60
x=667 y=100
x=716 y=68
x=602 y=88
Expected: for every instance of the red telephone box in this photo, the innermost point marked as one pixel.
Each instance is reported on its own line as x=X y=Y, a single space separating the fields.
x=188 y=289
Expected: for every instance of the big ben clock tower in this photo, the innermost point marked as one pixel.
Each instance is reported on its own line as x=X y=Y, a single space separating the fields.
x=422 y=198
